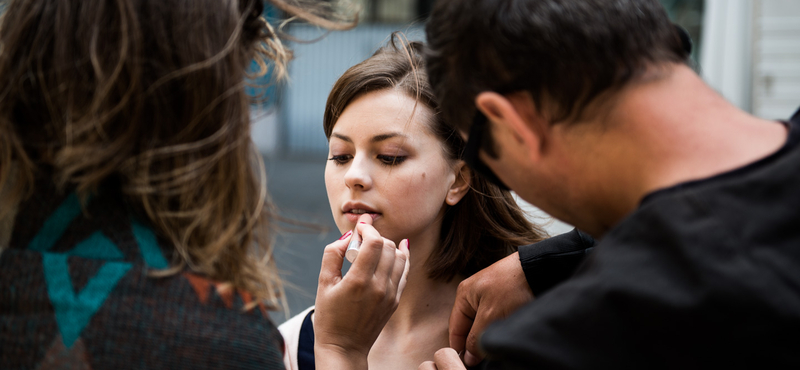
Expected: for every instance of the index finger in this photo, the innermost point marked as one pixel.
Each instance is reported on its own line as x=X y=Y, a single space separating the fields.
x=462 y=318
x=365 y=219
x=332 y=261
x=370 y=250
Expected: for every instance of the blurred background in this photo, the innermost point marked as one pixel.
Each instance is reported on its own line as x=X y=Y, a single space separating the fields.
x=748 y=50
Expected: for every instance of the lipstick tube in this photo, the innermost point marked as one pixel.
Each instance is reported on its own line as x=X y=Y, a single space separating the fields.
x=352 y=248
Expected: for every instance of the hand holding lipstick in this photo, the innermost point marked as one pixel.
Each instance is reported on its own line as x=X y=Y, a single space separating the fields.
x=352 y=310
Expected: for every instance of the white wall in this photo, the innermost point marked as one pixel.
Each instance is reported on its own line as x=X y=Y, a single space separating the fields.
x=751 y=54
x=725 y=57
x=776 y=65
x=536 y=215
x=314 y=70
x=265 y=130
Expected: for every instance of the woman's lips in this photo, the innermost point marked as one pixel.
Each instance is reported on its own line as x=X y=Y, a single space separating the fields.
x=353 y=217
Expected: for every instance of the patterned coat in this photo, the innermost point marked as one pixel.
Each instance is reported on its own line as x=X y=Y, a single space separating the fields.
x=75 y=293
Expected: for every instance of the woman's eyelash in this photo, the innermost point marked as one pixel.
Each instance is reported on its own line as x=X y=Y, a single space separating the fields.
x=391 y=160
x=388 y=160
x=340 y=159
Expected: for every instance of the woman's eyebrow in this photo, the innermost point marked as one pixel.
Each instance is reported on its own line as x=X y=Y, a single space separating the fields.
x=387 y=136
x=342 y=137
x=375 y=139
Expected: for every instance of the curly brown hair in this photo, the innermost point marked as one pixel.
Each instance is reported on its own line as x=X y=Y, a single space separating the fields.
x=149 y=95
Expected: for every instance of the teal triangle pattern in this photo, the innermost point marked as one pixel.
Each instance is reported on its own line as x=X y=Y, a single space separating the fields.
x=148 y=246
x=97 y=247
x=74 y=311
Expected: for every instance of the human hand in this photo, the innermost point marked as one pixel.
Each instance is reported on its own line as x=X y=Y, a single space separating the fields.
x=443 y=359
x=491 y=294
x=352 y=310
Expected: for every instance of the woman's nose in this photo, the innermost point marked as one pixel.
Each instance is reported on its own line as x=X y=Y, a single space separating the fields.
x=357 y=175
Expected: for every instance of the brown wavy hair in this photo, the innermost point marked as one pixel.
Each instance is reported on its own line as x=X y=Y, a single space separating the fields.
x=487 y=224
x=150 y=95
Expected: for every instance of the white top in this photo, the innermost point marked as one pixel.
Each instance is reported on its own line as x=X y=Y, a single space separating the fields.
x=290 y=330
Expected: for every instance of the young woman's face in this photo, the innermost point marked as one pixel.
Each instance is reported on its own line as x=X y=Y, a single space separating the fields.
x=386 y=162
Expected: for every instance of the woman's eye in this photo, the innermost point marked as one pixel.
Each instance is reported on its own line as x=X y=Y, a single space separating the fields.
x=391 y=160
x=340 y=159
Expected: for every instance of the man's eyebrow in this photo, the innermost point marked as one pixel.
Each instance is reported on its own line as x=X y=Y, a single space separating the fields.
x=375 y=139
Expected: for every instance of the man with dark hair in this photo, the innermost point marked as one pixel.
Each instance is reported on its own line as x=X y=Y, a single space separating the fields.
x=588 y=110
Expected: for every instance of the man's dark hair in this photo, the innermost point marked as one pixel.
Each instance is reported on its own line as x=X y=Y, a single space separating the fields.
x=565 y=53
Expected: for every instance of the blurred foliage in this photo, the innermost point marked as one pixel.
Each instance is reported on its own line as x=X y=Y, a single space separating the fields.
x=689 y=15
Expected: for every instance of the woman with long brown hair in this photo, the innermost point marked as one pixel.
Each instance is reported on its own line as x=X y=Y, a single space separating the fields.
x=135 y=219
x=394 y=172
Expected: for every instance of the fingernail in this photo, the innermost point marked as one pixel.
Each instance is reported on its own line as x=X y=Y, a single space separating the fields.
x=470 y=359
x=361 y=222
x=408 y=244
x=348 y=233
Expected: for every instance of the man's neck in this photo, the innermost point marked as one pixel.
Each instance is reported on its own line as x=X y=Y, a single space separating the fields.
x=671 y=130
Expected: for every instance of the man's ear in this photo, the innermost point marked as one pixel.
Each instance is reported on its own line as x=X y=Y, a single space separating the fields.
x=460 y=186
x=517 y=114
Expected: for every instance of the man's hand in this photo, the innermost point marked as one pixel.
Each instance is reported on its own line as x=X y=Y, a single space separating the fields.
x=491 y=294
x=443 y=359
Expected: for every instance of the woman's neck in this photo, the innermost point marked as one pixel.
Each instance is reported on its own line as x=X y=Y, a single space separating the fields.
x=419 y=325
x=425 y=301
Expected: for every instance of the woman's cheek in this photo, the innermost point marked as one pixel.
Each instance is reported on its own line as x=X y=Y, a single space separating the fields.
x=334 y=201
